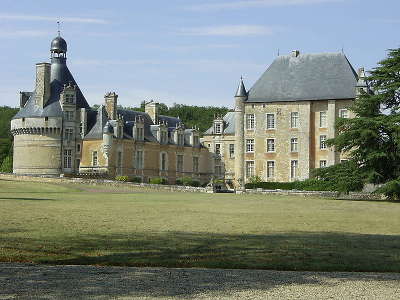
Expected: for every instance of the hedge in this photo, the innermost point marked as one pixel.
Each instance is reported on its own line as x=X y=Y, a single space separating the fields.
x=306 y=185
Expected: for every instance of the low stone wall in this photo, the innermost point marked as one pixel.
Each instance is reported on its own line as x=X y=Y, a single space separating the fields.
x=105 y=182
x=323 y=194
x=178 y=188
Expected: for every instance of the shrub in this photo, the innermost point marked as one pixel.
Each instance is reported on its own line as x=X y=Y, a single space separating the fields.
x=135 y=179
x=7 y=165
x=187 y=181
x=391 y=189
x=122 y=178
x=158 y=180
x=255 y=179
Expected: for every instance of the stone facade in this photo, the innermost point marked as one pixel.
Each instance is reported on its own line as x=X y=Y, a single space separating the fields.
x=284 y=140
x=56 y=132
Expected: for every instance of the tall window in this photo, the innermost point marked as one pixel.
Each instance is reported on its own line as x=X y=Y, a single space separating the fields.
x=250 y=121
x=270 y=121
x=69 y=99
x=69 y=115
x=218 y=128
x=294 y=119
x=270 y=169
x=322 y=119
x=179 y=163
x=270 y=145
x=218 y=149
x=139 y=134
x=163 y=163
x=249 y=169
x=195 y=164
x=68 y=134
x=139 y=159
x=322 y=163
x=67 y=158
x=119 y=162
x=294 y=165
x=293 y=145
x=343 y=113
x=163 y=137
x=180 y=139
x=196 y=140
x=250 y=145
x=231 y=150
x=322 y=142
x=218 y=170
x=94 y=159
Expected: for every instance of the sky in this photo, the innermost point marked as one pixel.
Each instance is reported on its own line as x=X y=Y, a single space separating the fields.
x=184 y=51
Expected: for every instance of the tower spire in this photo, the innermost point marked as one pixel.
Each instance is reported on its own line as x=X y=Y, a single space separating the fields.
x=241 y=91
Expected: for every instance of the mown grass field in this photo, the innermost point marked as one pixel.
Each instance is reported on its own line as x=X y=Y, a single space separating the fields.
x=76 y=224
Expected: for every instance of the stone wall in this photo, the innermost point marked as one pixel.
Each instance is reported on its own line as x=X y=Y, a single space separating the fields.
x=177 y=188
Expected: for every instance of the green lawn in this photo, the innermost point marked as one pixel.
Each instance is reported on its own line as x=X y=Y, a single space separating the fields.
x=76 y=224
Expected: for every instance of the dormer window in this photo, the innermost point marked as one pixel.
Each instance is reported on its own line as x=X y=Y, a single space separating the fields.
x=180 y=139
x=139 y=134
x=218 y=128
x=196 y=140
x=163 y=137
x=69 y=99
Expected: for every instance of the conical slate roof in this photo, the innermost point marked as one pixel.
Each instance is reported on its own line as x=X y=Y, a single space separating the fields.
x=241 y=90
x=60 y=76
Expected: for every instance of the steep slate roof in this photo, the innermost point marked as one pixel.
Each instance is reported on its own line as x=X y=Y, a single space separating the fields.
x=306 y=77
x=129 y=117
x=229 y=124
x=60 y=75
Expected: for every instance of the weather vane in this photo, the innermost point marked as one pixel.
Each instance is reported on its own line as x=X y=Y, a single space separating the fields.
x=58 y=27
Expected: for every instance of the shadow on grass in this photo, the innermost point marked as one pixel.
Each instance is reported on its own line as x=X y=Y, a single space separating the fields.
x=310 y=251
x=22 y=198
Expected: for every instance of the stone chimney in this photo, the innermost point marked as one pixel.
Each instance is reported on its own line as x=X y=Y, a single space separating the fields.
x=42 y=83
x=151 y=108
x=111 y=105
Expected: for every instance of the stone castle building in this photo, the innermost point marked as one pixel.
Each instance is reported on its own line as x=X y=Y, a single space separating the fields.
x=279 y=128
x=56 y=132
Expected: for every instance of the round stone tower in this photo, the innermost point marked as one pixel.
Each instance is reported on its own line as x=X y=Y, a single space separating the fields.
x=44 y=129
x=240 y=98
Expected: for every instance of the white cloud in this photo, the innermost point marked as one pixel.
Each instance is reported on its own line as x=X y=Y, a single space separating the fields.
x=256 y=3
x=229 y=30
x=22 y=33
x=52 y=19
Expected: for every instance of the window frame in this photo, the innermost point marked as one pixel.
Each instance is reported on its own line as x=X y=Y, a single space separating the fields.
x=250 y=144
x=325 y=113
x=267 y=173
x=292 y=144
x=266 y=121
x=322 y=142
x=273 y=145
x=292 y=125
x=250 y=120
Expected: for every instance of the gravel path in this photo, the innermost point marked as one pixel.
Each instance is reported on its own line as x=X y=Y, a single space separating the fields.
x=27 y=281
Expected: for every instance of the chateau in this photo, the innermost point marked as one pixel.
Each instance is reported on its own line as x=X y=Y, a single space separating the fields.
x=277 y=131
x=56 y=132
x=279 y=128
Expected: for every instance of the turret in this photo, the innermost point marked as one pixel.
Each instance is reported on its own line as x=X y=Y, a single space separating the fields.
x=108 y=132
x=240 y=98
